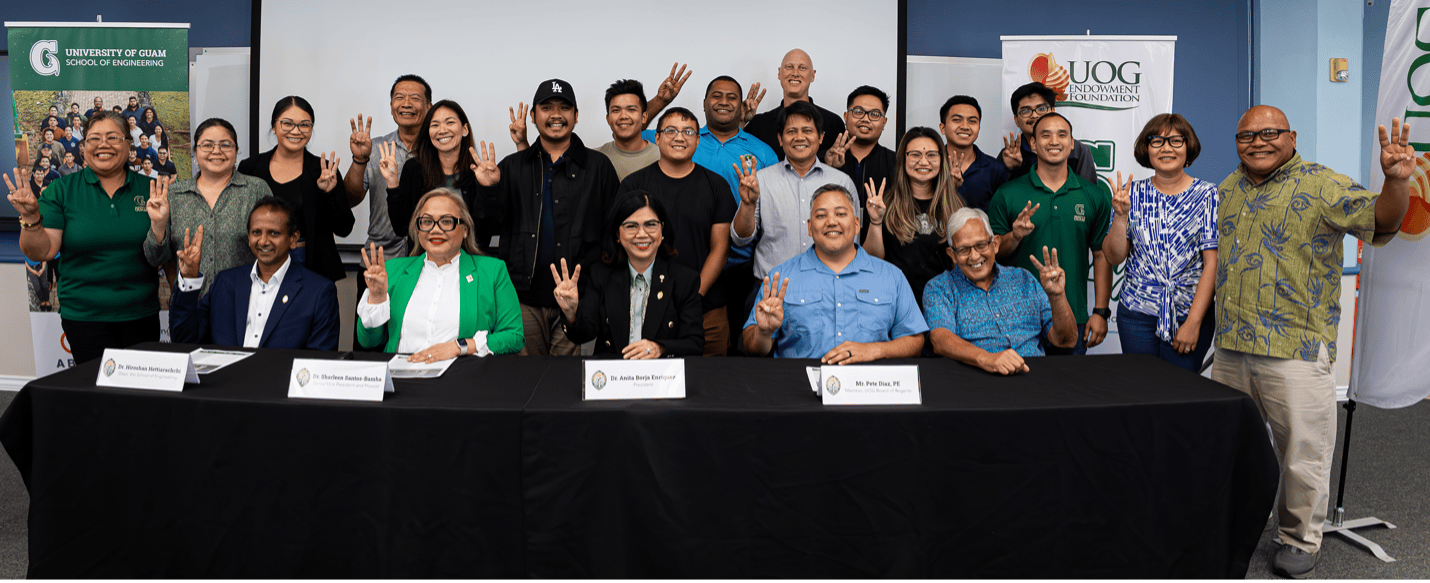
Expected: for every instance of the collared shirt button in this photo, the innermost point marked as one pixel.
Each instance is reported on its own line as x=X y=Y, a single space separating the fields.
x=840 y=334
x=838 y=305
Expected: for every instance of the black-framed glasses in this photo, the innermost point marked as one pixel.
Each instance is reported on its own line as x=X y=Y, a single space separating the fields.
x=670 y=132
x=287 y=125
x=979 y=247
x=1173 y=141
x=874 y=114
x=447 y=223
x=208 y=146
x=631 y=228
x=1267 y=135
x=1040 y=110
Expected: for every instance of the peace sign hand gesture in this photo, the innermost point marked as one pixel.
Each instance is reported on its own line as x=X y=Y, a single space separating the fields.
x=388 y=164
x=1023 y=225
x=752 y=103
x=670 y=87
x=1397 y=157
x=1122 y=195
x=328 y=180
x=374 y=273
x=158 y=207
x=361 y=141
x=770 y=312
x=488 y=174
x=835 y=156
x=749 y=184
x=874 y=204
x=191 y=253
x=1050 y=274
x=518 y=125
x=955 y=169
x=22 y=198
x=1012 y=151
x=567 y=293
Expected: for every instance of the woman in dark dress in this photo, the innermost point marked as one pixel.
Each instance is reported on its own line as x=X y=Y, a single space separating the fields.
x=909 y=228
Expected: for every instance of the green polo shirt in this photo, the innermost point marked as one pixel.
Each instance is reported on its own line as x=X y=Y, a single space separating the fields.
x=1073 y=220
x=103 y=276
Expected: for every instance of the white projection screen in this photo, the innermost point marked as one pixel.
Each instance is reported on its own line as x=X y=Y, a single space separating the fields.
x=487 y=56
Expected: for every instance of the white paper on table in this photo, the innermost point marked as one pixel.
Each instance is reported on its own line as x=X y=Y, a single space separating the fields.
x=813 y=372
x=207 y=360
x=145 y=369
x=402 y=369
x=866 y=384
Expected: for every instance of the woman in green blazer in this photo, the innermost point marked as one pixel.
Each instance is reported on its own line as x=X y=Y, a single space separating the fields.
x=444 y=301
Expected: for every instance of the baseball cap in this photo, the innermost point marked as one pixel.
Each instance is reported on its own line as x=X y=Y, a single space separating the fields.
x=554 y=88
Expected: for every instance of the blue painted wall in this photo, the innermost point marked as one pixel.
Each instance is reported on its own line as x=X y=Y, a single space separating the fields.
x=219 y=23
x=1213 y=77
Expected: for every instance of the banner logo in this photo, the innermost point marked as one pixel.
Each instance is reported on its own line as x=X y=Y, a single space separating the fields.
x=1103 y=85
x=598 y=380
x=44 y=57
x=1417 y=218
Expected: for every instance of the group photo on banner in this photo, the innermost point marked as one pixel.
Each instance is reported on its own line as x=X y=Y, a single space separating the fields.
x=61 y=75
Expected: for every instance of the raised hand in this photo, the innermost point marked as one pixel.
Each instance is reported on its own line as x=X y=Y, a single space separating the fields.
x=874 y=204
x=360 y=144
x=485 y=167
x=388 y=163
x=21 y=197
x=955 y=169
x=1023 y=225
x=191 y=253
x=1012 y=151
x=374 y=273
x=1005 y=363
x=749 y=184
x=670 y=87
x=158 y=207
x=1052 y=276
x=770 y=312
x=518 y=124
x=835 y=156
x=751 y=103
x=566 y=292
x=1397 y=158
x=328 y=179
x=1122 y=195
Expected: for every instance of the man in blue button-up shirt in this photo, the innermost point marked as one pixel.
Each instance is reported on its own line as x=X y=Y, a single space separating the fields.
x=837 y=303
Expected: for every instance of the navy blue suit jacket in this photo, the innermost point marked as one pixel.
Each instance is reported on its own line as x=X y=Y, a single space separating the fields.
x=305 y=313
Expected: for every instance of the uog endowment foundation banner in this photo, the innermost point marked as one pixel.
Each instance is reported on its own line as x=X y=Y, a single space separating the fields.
x=1108 y=87
x=61 y=73
x=1392 y=343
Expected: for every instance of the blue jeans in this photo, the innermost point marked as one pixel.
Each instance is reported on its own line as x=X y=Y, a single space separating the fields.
x=1138 y=332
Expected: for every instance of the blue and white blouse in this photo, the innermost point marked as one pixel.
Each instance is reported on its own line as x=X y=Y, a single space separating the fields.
x=1167 y=236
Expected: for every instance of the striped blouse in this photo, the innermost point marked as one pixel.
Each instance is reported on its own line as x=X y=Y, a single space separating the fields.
x=1167 y=236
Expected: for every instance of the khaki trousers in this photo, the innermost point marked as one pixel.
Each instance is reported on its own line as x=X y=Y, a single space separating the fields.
x=717 y=332
x=1298 y=399
x=544 y=336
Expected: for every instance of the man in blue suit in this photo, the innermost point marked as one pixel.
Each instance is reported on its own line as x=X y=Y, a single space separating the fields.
x=274 y=303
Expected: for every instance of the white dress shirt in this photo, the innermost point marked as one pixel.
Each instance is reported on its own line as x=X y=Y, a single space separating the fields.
x=433 y=313
x=260 y=299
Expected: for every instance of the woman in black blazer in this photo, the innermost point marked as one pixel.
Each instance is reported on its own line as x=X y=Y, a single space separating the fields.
x=442 y=156
x=311 y=184
x=634 y=265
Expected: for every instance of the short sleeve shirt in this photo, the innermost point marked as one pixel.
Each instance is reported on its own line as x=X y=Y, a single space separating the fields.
x=379 y=223
x=782 y=211
x=1011 y=314
x=103 y=275
x=1279 y=258
x=1168 y=234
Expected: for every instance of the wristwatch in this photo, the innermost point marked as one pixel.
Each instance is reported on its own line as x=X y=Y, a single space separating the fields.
x=461 y=346
x=1106 y=313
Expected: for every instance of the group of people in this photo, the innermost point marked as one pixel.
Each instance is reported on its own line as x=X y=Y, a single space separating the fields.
x=58 y=147
x=790 y=232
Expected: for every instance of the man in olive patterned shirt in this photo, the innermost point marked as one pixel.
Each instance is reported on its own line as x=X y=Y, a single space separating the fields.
x=1281 y=221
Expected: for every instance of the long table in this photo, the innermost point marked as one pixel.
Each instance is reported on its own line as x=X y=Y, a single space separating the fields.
x=1084 y=467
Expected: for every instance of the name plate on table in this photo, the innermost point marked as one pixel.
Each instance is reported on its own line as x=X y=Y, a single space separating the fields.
x=870 y=385
x=352 y=380
x=662 y=378
x=143 y=369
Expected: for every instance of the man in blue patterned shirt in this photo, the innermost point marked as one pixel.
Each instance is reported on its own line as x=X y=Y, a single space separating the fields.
x=988 y=316
x=1280 y=223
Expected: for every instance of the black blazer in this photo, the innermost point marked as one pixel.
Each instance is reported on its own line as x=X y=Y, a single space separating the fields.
x=672 y=315
x=325 y=214
x=402 y=201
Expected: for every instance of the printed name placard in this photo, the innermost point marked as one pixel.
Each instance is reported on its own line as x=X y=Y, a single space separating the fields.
x=662 y=378
x=352 y=380
x=143 y=369
x=870 y=385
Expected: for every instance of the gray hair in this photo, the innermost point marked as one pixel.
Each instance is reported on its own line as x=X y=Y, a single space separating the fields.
x=962 y=216
x=853 y=202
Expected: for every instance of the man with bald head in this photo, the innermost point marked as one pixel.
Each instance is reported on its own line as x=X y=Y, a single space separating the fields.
x=796 y=73
x=1280 y=224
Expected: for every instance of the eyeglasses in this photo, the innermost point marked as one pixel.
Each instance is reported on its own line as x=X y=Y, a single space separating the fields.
x=874 y=114
x=917 y=155
x=287 y=125
x=209 y=145
x=111 y=140
x=670 y=132
x=978 y=247
x=1040 y=110
x=447 y=223
x=1267 y=135
x=631 y=228
x=1173 y=141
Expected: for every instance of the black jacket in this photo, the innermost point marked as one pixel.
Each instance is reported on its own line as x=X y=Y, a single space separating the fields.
x=672 y=314
x=402 y=201
x=585 y=177
x=324 y=213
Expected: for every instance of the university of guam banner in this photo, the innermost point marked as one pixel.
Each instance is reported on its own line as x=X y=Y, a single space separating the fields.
x=1392 y=346
x=1108 y=87
x=59 y=73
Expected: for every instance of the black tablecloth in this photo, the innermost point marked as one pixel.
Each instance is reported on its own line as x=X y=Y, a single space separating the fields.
x=1112 y=466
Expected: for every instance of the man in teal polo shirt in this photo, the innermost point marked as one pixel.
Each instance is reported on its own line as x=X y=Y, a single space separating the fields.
x=1057 y=208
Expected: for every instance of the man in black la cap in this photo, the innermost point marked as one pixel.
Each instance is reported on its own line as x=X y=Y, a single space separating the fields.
x=549 y=202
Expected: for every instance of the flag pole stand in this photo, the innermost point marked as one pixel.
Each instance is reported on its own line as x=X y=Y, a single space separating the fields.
x=1337 y=523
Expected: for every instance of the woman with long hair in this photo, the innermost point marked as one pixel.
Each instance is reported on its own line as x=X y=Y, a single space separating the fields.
x=443 y=157
x=910 y=228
